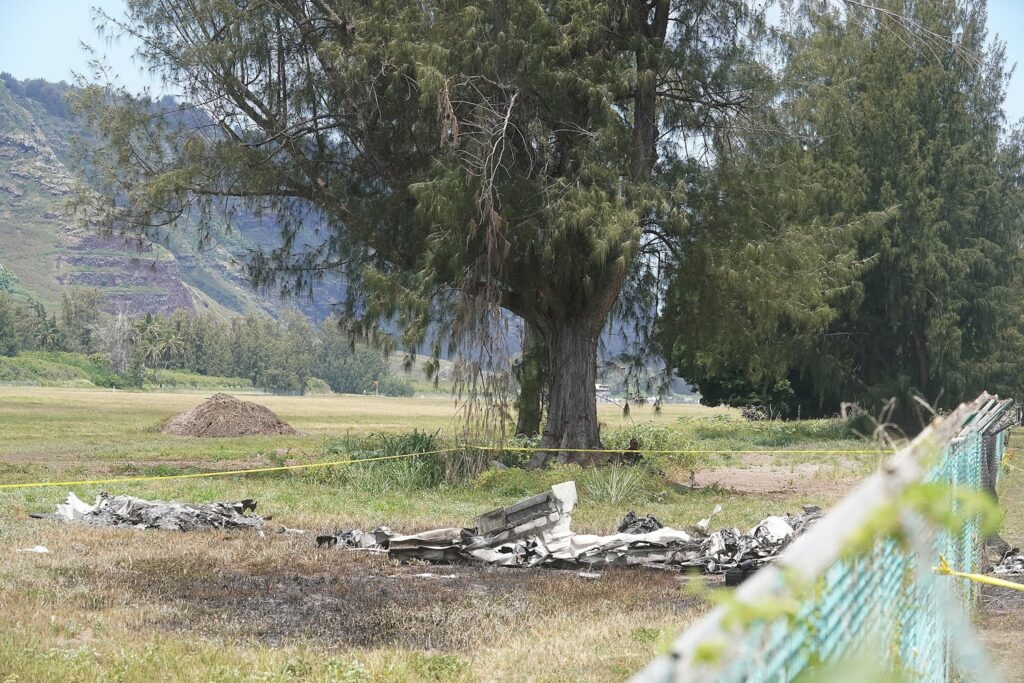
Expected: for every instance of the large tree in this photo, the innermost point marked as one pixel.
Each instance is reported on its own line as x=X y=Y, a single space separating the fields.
x=895 y=110
x=460 y=159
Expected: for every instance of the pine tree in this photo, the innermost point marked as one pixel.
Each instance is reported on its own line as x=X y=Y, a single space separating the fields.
x=518 y=153
x=897 y=112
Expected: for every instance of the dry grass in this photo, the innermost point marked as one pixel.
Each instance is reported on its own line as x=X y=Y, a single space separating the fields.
x=132 y=605
x=117 y=605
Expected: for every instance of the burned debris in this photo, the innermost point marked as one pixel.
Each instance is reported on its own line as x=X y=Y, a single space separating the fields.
x=128 y=511
x=633 y=523
x=1012 y=564
x=536 y=532
x=533 y=532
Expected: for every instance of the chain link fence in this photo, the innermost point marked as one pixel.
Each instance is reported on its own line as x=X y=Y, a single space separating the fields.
x=856 y=593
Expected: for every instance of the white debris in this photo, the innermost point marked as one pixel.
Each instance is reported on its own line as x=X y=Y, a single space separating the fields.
x=773 y=529
x=705 y=523
x=429 y=575
x=41 y=549
x=73 y=508
x=128 y=511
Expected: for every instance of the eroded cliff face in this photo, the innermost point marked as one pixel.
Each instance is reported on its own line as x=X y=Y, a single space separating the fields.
x=47 y=251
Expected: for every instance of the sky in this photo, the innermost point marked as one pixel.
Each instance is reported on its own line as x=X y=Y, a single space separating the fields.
x=42 y=39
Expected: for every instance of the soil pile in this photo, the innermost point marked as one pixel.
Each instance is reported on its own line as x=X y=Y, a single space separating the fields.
x=223 y=415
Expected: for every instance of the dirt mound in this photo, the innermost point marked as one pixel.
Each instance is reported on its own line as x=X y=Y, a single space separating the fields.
x=223 y=415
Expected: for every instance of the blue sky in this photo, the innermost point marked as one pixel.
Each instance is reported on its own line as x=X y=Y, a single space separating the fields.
x=42 y=38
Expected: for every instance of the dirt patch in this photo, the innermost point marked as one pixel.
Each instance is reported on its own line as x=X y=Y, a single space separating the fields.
x=222 y=415
x=773 y=479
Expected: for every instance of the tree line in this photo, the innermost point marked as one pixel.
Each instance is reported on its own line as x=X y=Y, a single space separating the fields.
x=896 y=143
x=285 y=355
x=796 y=210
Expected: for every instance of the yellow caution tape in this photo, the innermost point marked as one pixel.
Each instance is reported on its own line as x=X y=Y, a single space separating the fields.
x=752 y=451
x=354 y=461
x=944 y=569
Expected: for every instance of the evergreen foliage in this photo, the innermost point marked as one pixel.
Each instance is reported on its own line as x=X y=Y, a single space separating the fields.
x=467 y=158
x=902 y=130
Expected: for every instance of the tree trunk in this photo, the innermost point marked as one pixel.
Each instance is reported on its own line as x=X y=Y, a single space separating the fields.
x=572 y=403
x=530 y=404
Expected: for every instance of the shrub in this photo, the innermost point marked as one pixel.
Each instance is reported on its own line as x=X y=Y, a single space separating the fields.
x=515 y=457
x=619 y=483
x=316 y=387
x=60 y=369
x=654 y=437
x=391 y=385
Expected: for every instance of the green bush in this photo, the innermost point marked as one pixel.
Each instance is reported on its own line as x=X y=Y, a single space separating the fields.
x=316 y=387
x=654 y=437
x=391 y=385
x=514 y=456
x=519 y=483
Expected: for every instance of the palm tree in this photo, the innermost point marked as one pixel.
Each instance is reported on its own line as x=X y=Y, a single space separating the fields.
x=172 y=344
x=48 y=334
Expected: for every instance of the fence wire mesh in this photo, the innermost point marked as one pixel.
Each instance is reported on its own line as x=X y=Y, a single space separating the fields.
x=880 y=606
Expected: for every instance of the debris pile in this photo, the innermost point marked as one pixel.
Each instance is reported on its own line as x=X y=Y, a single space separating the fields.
x=536 y=531
x=1012 y=564
x=224 y=415
x=632 y=523
x=128 y=511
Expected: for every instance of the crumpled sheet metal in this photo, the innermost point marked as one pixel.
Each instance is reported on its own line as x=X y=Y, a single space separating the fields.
x=356 y=538
x=128 y=511
x=536 y=531
x=1012 y=564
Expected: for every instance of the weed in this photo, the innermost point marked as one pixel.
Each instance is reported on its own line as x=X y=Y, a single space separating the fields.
x=645 y=635
x=345 y=671
x=439 y=667
x=519 y=483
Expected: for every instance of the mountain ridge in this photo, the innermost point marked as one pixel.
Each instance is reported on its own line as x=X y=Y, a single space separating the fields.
x=46 y=250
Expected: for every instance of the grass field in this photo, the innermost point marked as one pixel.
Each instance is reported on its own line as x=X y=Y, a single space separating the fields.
x=144 y=605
